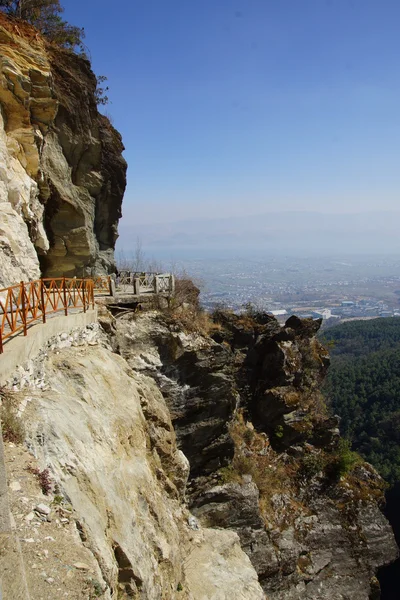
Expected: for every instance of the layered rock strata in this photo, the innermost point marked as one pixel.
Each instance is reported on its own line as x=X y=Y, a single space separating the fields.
x=266 y=457
x=62 y=175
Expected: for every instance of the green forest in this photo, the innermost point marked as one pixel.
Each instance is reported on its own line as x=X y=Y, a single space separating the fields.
x=363 y=388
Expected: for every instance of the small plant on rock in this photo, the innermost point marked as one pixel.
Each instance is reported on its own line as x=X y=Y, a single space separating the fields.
x=44 y=479
x=344 y=460
x=311 y=465
x=97 y=589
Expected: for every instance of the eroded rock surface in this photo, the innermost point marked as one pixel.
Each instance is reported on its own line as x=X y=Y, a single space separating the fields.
x=62 y=176
x=264 y=452
x=104 y=432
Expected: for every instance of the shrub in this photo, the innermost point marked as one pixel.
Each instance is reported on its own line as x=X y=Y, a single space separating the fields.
x=44 y=15
x=44 y=479
x=101 y=91
x=345 y=459
x=312 y=464
x=13 y=429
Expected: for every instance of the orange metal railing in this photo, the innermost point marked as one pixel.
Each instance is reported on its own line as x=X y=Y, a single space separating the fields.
x=102 y=285
x=23 y=304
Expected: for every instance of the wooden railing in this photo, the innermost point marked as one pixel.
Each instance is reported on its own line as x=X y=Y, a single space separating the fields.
x=23 y=304
x=103 y=285
x=145 y=283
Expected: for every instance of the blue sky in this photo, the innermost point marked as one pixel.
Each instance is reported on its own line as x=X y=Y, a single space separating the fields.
x=244 y=106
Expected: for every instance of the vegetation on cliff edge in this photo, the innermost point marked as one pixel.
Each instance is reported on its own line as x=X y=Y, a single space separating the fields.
x=363 y=388
x=45 y=16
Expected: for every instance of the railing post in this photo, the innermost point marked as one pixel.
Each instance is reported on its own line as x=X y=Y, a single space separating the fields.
x=156 y=284
x=136 y=286
x=112 y=286
x=42 y=301
x=22 y=295
x=172 y=284
x=1 y=340
x=65 y=297
x=84 y=294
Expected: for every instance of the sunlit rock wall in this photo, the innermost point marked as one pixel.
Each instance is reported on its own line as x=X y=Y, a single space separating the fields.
x=62 y=175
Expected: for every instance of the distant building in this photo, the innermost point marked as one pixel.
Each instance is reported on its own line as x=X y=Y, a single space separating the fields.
x=325 y=313
x=347 y=303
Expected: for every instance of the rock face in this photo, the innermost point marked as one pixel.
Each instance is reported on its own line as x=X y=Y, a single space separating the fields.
x=265 y=456
x=105 y=434
x=201 y=466
x=62 y=176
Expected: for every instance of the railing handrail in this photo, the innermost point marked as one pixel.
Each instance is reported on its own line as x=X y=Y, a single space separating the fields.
x=144 y=282
x=24 y=303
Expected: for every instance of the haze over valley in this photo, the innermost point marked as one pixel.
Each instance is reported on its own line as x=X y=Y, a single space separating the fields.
x=275 y=233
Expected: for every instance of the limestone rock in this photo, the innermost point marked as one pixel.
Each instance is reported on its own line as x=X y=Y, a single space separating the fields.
x=43 y=509
x=215 y=569
x=106 y=434
x=62 y=176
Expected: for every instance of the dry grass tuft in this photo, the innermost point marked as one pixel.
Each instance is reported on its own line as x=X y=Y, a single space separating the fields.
x=184 y=308
x=255 y=456
x=11 y=424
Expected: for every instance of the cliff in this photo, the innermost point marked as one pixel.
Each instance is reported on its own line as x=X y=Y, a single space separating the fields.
x=266 y=459
x=62 y=175
x=161 y=455
x=118 y=525
x=190 y=465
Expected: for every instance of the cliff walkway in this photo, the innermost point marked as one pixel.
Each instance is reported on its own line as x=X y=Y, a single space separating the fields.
x=27 y=304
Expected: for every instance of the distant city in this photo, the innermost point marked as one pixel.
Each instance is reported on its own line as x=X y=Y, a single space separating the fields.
x=332 y=288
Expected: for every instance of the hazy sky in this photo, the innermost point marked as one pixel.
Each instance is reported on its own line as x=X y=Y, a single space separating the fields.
x=245 y=106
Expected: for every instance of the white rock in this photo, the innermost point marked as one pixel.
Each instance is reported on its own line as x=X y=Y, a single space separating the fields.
x=193 y=523
x=15 y=486
x=43 y=509
x=81 y=566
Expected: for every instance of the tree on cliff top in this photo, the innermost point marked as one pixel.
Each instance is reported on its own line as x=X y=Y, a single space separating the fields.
x=44 y=15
